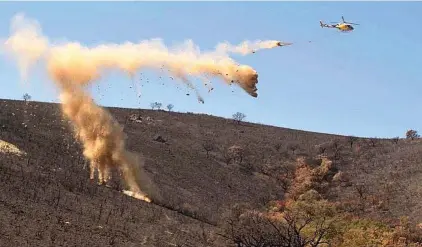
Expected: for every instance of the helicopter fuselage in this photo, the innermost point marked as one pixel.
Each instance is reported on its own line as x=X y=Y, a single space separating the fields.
x=344 y=27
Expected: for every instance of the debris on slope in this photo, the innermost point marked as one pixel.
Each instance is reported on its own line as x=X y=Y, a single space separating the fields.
x=138 y=119
x=136 y=195
x=6 y=147
x=159 y=138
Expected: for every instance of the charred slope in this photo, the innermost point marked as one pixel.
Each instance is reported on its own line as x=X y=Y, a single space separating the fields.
x=188 y=156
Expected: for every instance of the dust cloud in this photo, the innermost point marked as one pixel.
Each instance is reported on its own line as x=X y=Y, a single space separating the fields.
x=73 y=66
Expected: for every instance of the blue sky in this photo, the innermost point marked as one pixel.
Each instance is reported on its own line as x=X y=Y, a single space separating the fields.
x=364 y=83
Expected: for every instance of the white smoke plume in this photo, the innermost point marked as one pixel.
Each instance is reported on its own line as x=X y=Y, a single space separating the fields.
x=25 y=54
x=73 y=66
x=248 y=47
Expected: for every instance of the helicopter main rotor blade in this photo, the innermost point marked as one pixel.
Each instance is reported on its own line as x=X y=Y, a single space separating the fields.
x=352 y=23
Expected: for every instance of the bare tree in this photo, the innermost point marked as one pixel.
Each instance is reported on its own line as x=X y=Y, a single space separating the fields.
x=286 y=175
x=27 y=97
x=170 y=107
x=395 y=140
x=336 y=146
x=227 y=158
x=361 y=190
x=238 y=117
x=351 y=140
x=373 y=141
x=278 y=146
x=156 y=105
x=321 y=149
x=208 y=145
x=293 y=147
x=412 y=134
x=252 y=229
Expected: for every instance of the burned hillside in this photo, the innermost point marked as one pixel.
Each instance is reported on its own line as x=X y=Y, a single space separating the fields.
x=202 y=167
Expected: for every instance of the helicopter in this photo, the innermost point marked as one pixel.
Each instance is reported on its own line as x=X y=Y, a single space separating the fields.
x=342 y=26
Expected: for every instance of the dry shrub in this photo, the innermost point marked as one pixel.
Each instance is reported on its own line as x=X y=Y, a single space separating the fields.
x=306 y=219
x=235 y=153
x=406 y=234
x=306 y=178
x=362 y=232
x=310 y=195
x=320 y=172
x=340 y=177
x=293 y=227
x=301 y=183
